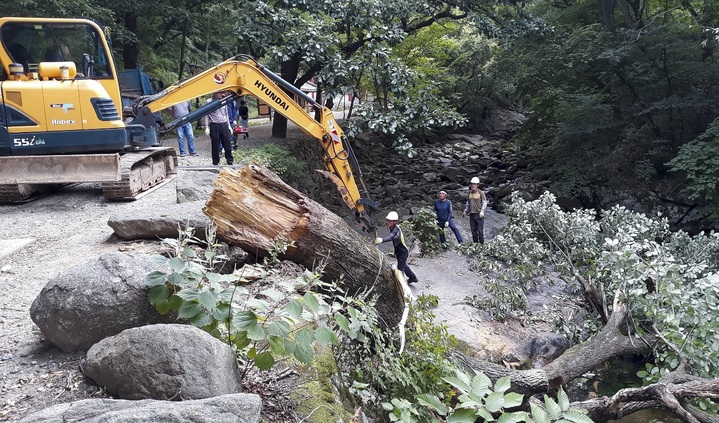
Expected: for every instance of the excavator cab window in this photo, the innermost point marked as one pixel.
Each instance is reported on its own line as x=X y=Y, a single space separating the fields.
x=30 y=43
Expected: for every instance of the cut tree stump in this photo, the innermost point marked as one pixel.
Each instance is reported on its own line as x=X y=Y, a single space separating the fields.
x=253 y=208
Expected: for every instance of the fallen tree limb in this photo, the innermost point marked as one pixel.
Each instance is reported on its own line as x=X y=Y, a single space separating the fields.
x=254 y=209
x=673 y=392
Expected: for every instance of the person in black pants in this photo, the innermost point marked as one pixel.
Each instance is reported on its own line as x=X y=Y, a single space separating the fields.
x=219 y=131
x=400 y=247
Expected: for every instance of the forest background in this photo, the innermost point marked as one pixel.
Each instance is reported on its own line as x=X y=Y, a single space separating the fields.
x=618 y=93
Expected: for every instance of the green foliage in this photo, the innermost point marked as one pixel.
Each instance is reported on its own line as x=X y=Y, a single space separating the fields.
x=669 y=280
x=699 y=159
x=379 y=374
x=619 y=102
x=478 y=398
x=262 y=326
x=424 y=227
x=276 y=158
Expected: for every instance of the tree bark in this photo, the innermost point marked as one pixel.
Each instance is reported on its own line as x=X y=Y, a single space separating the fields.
x=253 y=208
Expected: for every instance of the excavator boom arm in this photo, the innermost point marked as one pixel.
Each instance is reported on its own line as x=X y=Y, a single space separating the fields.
x=249 y=77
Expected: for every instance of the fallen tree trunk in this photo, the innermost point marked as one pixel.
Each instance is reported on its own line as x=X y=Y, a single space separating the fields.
x=254 y=209
x=673 y=393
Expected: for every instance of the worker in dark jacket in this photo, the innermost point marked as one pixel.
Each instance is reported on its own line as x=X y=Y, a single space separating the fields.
x=443 y=211
x=400 y=248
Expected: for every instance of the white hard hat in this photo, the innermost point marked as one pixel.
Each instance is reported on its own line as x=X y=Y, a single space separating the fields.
x=392 y=216
x=474 y=180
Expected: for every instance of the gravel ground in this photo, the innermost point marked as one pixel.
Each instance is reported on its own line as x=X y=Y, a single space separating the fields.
x=46 y=237
x=41 y=239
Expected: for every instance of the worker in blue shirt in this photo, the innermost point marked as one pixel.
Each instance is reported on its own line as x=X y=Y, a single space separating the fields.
x=443 y=211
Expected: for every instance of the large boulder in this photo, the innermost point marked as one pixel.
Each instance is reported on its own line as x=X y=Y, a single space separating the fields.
x=195 y=185
x=163 y=362
x=161 y=221
x=234 y=408
x=100 y=299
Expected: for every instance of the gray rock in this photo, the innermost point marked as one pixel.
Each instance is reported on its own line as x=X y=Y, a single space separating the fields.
x=234 y=408
x=161 y=221
x=163 y=362
x=100 y=299
x=195 y=185
x=429 y=176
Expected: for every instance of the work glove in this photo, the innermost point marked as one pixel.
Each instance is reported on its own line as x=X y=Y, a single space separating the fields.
x=481 y=215
x=446 y=224
x=207 y=130
x=378 y=240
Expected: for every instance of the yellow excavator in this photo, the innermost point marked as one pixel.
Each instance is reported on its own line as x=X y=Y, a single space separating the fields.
x=59 y=119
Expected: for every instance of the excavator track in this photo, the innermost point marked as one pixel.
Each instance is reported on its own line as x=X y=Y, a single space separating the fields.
x=140 y=171
x=23 y=193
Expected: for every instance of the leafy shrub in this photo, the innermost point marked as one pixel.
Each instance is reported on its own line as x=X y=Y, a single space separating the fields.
x=276 y=158
x=261 y=326
x=424 y=228
x=669 y=280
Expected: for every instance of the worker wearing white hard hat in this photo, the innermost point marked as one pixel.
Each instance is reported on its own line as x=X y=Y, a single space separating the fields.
x=400 y=247
x=475 y=207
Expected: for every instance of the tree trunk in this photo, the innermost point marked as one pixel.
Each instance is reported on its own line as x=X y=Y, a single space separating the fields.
x=289 y=70
x=671 y=393
x=253 y=208
x=131 y=51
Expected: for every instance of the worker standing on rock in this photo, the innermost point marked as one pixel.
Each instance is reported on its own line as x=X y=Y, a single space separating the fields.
x=443 y=211
x=400 y=247
x=476 y=205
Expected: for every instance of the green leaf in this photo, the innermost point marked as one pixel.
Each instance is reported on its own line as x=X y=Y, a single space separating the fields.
x=538 y=414
x=201 y=320
x=325 y=336
x=161 y=260
x=208 y=299
x=244 y=320
x=188 y=310
x=294 y=308
x=241 y=340
x=155 y=278
x=563 y=400
x=342 y=322
x=221 y=313
x=517 y=417
x=257 y=304
x=503 y=384
x=159 y=294
x=432 y=402
x=279 y=328
x=303 y=346
x=188 y=294
x=458 y=381
x=494 y=402
x=480 y=384
x=577 y=417
x=277 y=345
x=462 y=415
x=189 y=252
x=552 y=408
x=311 y=302
x=264 y=360
x=256 y=332
x=176 y=264
x=513 y=399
